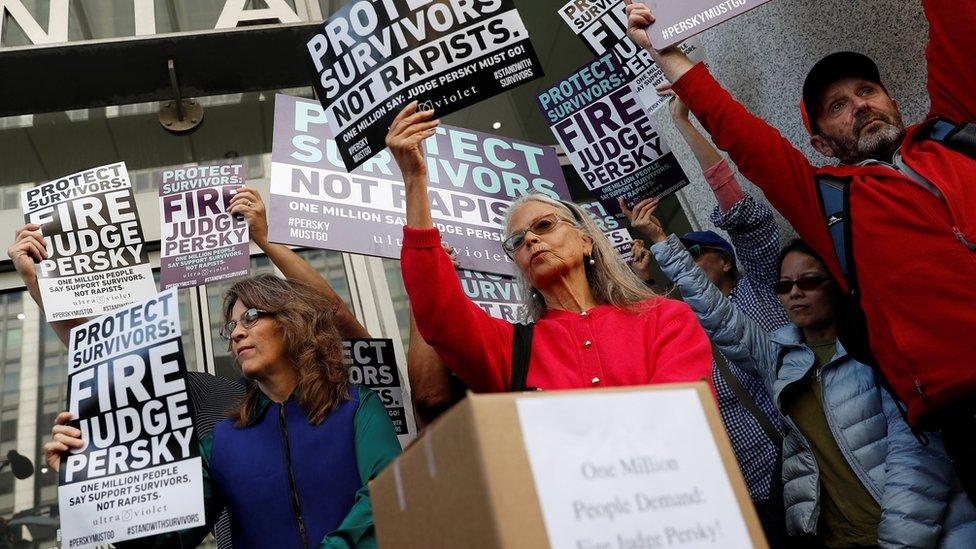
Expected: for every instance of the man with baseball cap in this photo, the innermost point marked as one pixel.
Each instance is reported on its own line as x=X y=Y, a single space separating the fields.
x=909 y=206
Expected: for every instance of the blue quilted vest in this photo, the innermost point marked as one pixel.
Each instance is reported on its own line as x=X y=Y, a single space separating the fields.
x=287 y=483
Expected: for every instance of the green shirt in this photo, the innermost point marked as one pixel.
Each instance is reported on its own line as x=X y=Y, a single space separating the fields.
x=376 y=446
x=849 y=514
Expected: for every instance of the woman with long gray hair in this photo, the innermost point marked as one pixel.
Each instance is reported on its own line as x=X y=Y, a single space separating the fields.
x=595 y=324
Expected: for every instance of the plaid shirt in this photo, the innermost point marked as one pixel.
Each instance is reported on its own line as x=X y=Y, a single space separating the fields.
x=753 y=232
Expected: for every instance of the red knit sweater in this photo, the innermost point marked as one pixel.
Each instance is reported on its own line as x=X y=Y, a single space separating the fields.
x=914 y=251
x=603 y=347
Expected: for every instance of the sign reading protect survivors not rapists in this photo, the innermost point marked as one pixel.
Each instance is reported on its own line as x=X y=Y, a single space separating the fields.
x=372 y=57
x=96 y=254
x=200 y=240
x=608 y=136
x=602 y=25
x=139 y=473
x=372 y=363
x=474 y=176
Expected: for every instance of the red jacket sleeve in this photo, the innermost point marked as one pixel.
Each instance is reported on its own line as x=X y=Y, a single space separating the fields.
x=474 y=345
x=952 y=45
x=762 y=154
x=681 y=351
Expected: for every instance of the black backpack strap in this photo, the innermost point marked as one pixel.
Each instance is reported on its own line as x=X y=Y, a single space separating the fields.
x=745 y=399
x=958 y=137
x=521 y=351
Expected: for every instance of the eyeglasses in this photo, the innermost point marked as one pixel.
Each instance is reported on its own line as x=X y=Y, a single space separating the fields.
x=804 y=283
x=541 y=226
x=248 y=319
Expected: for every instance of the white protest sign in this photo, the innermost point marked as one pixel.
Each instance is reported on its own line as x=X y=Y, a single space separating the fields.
x=630 y=469
x=96 y=254
x=140 y=471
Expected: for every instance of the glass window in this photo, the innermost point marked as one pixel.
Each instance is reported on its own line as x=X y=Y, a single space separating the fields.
x=398 y=294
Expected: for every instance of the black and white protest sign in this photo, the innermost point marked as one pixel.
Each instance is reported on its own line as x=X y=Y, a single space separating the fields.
x=372 y=363
x=608 y=136
x=675 y=21
x=602 y=25
x=612 y=228
x=473 y=177
x=200 y=240
x=96 y=254
x=372 y=57
x=139 y=473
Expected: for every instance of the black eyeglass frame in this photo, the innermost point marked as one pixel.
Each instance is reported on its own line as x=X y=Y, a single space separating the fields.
x=228 y=329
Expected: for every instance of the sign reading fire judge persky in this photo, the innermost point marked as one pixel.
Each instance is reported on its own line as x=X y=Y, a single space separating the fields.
x=608 y=136
x=96 y=254
x=373 y=57
x=140 y=471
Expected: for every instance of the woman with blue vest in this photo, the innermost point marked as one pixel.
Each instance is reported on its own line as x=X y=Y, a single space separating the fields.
x=854 y=474
x=292 y=462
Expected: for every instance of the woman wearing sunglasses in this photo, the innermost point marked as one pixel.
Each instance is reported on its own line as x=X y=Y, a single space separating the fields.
x=595 y=323
x=292 y=462
x=854 y=474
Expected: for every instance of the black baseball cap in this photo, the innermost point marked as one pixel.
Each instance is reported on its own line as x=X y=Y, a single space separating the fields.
x=842 y=64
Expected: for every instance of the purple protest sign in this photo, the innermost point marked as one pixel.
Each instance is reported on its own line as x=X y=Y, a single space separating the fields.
x=200 y=240
x=676 y=21
x=498 y=295
x=608 y=136
x=474 y=176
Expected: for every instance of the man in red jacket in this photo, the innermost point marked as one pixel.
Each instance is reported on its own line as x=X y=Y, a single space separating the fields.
x=912 y=206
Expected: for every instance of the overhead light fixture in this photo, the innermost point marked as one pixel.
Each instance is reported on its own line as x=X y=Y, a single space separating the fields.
x=496 y=125
x=21 y=316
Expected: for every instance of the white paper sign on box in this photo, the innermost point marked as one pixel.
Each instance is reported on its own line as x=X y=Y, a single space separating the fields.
x=630 y=470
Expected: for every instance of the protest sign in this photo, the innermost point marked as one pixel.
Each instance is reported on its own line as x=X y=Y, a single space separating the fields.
x=372 y=58
x=608 y=136
x=498 y=295
x=200 y=240
x=634 y=469
x=611 y=227
x=140 y=471
x=602 y=25
x=372 y=363
x=676 y=21
x=473 y=176
x=96 y=254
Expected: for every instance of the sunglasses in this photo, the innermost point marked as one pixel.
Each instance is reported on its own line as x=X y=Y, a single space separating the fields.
x=696 y=250
x=805 y=283
x=541 y=226
x=248 y=319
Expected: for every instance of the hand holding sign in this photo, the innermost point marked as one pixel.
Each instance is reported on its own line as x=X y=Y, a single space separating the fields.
x=29 y=247
x=643 y=221
x=639 y=17
x=63 y=439
x=247 y=202
x=677 y=107
x=405 y=140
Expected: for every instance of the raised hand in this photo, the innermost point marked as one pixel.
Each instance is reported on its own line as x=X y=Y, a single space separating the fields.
x=405 y=140
x=28 y=249
x=639 y=17
x=63 y=438
x=679 y=111
x=642 y=219
x=642 y=260
x=247 y=202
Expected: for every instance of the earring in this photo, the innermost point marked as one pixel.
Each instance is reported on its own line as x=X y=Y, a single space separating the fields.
x=590 y=260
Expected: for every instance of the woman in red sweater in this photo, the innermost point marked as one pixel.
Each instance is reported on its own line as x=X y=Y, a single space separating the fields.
x=596 y=323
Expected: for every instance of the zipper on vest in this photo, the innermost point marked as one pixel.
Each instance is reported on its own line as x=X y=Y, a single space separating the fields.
x=962 y=238
x=296 y=505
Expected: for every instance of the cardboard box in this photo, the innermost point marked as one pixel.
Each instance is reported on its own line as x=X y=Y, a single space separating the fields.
x=619 y=468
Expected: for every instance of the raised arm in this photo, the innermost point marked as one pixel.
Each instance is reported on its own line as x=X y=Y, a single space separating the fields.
x=247 y=202
x=474 y=345
x=742 y=342
x=952 y=44
x=28 y=249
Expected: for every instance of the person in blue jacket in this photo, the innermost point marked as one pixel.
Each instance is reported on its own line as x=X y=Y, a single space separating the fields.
x=292 y=462
x=854 y=473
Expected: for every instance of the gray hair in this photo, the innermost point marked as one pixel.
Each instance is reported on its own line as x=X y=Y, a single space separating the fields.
x=611 y=280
